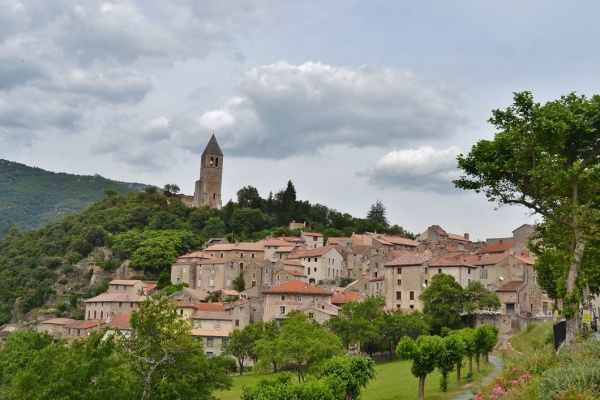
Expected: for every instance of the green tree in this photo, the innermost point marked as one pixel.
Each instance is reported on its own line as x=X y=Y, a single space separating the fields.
x=467 y=336
x=248 y=197
x=443 y=301
x=171 y=189
x=452 y=351
x=353 y=373
x=423 y=353
x=244 y=221
x=165 y=359
x=477 y=297
x=377 y=213
x=302 y=345
x=154 y=255
x=485 y=337
x=361 y=323
x=547 y=158
x=215 y=227
x=281 y=387
x=84 y=369
x=241 y=344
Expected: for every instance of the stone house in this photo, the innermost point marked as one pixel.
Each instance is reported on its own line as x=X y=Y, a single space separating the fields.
x=454 y=265
x=216 y=274
x=320 y=311
x=339 y=299
x=406 y=278
x=285 y=275
x=312 y=240
x=185 y=269
x=355 y=258
x=122 y=298
x=292 y=295
x=55 y=326
x=320 y=264
x=242 y=252
x=82 y=329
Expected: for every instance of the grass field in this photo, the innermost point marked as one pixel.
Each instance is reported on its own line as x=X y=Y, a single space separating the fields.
x=394 y=381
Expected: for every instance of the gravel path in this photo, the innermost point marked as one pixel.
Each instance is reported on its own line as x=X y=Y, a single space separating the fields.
x=497 y=362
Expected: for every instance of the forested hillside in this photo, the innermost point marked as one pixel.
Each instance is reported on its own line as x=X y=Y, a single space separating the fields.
x=31 y=197
x=151 y=230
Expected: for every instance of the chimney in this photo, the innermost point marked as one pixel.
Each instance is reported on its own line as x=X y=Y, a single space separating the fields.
x=466 y=236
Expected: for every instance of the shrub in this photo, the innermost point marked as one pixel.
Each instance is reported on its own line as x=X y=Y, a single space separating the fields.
x=227 y=363
x=569 y=379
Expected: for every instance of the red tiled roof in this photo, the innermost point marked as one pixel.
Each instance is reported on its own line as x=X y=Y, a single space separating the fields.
x=209 y=306
x=359 y=248
x=291 y=263
x=496 y=248
x=294 y=272
x=126 y=282
x=120 y=322
x=295 y=286
x=211 y=332
x=116 y=297
x=512 y=286
x=451 y=260
x=311 y=234
x=343 y=298
x=526 y=260
x=84 y=324
x=319 y=251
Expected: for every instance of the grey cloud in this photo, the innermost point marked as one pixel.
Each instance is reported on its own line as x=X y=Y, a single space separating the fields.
x=110 y=85
x=424 y=168
x=285 y=110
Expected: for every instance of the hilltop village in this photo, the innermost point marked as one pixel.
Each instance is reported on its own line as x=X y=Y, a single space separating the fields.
x=228 y=286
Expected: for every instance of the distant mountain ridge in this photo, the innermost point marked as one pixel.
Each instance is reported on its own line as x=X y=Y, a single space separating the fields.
x=31 y=197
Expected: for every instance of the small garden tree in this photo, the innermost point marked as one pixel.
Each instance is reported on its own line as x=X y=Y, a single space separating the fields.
x=423 y=353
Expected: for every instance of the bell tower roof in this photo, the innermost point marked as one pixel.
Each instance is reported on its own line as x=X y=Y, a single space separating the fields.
x=213 y=147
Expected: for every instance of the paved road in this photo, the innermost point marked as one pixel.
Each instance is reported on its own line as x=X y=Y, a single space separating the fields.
x=497 y=362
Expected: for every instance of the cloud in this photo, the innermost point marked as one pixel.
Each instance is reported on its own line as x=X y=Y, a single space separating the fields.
x=424 y=168
x=284 y=110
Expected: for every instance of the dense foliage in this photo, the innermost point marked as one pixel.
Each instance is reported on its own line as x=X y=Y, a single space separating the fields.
x=31 y=197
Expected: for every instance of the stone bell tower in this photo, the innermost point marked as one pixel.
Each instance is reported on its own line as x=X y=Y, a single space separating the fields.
x=208 y=187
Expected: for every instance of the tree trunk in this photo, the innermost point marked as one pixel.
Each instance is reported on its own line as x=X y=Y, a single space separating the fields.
x=470 y=366
x=422 y=387
x=573 y=318
x=458 y=367
x=477 y=357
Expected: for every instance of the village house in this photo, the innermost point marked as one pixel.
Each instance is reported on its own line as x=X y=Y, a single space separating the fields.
x=292 y=295
x=320 y=264
x=406 y=277
x=312 y=240
x=185 y=269
x=277 y=248
x=285 y=275
x=320 y=311
x=455 y=265
x=55 y=327
x=82 y=329
x=242 y=252
x=122 y=297
x=216 y=274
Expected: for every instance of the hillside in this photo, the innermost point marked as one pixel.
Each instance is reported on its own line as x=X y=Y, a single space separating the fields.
x=31 y=197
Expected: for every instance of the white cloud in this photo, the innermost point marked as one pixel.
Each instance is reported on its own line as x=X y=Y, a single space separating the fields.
x=284 y=110
x=424 y=168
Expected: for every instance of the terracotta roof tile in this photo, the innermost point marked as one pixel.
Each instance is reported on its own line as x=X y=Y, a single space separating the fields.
x=512 y=286
x=209 y=306
x=58 y=321
x=116 y=297
x=486 y=259
x=343 y=298
x=223 y=333
x=84 y=324
x=496 y=248
x=120 y=322
x=126 y=282
x=295 y=286
x=319 y=251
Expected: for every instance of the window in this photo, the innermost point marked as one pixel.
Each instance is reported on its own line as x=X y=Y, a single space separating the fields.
x=315 y=259
x=211 y=160
x=298 y=297
x=252 y=255
x=199 y=283
x=217 y=162
x=237 y=322
x=399 y=271
x=483 y=274
x=398 y=295
x=282 y=310
x=469 y=271
x=426 y=282
x=217 y=324
x=209 y=342
x=426 y=270
x=412 y=295
x=311 y=315
x=439 y=270
x=120 y=304
x=283 y=297
x=221 y=255
x=287 y=277
x=228 y=282
x=399 y=282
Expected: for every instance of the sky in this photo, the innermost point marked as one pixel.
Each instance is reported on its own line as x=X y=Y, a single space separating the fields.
x=353 y=101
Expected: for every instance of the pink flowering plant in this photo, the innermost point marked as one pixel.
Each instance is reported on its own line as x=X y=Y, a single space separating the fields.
x=512 y=379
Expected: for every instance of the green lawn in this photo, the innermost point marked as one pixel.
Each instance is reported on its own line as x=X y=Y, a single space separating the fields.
x=394 y=381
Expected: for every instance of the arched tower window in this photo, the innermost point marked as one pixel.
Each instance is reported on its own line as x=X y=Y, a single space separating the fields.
x=217 y=162
x=211 y=161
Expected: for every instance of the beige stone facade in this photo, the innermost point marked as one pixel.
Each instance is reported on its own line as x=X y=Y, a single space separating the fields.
x=280 y=300
x=208 y=188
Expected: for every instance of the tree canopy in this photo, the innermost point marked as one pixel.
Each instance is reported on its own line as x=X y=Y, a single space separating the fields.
x=547 y=159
